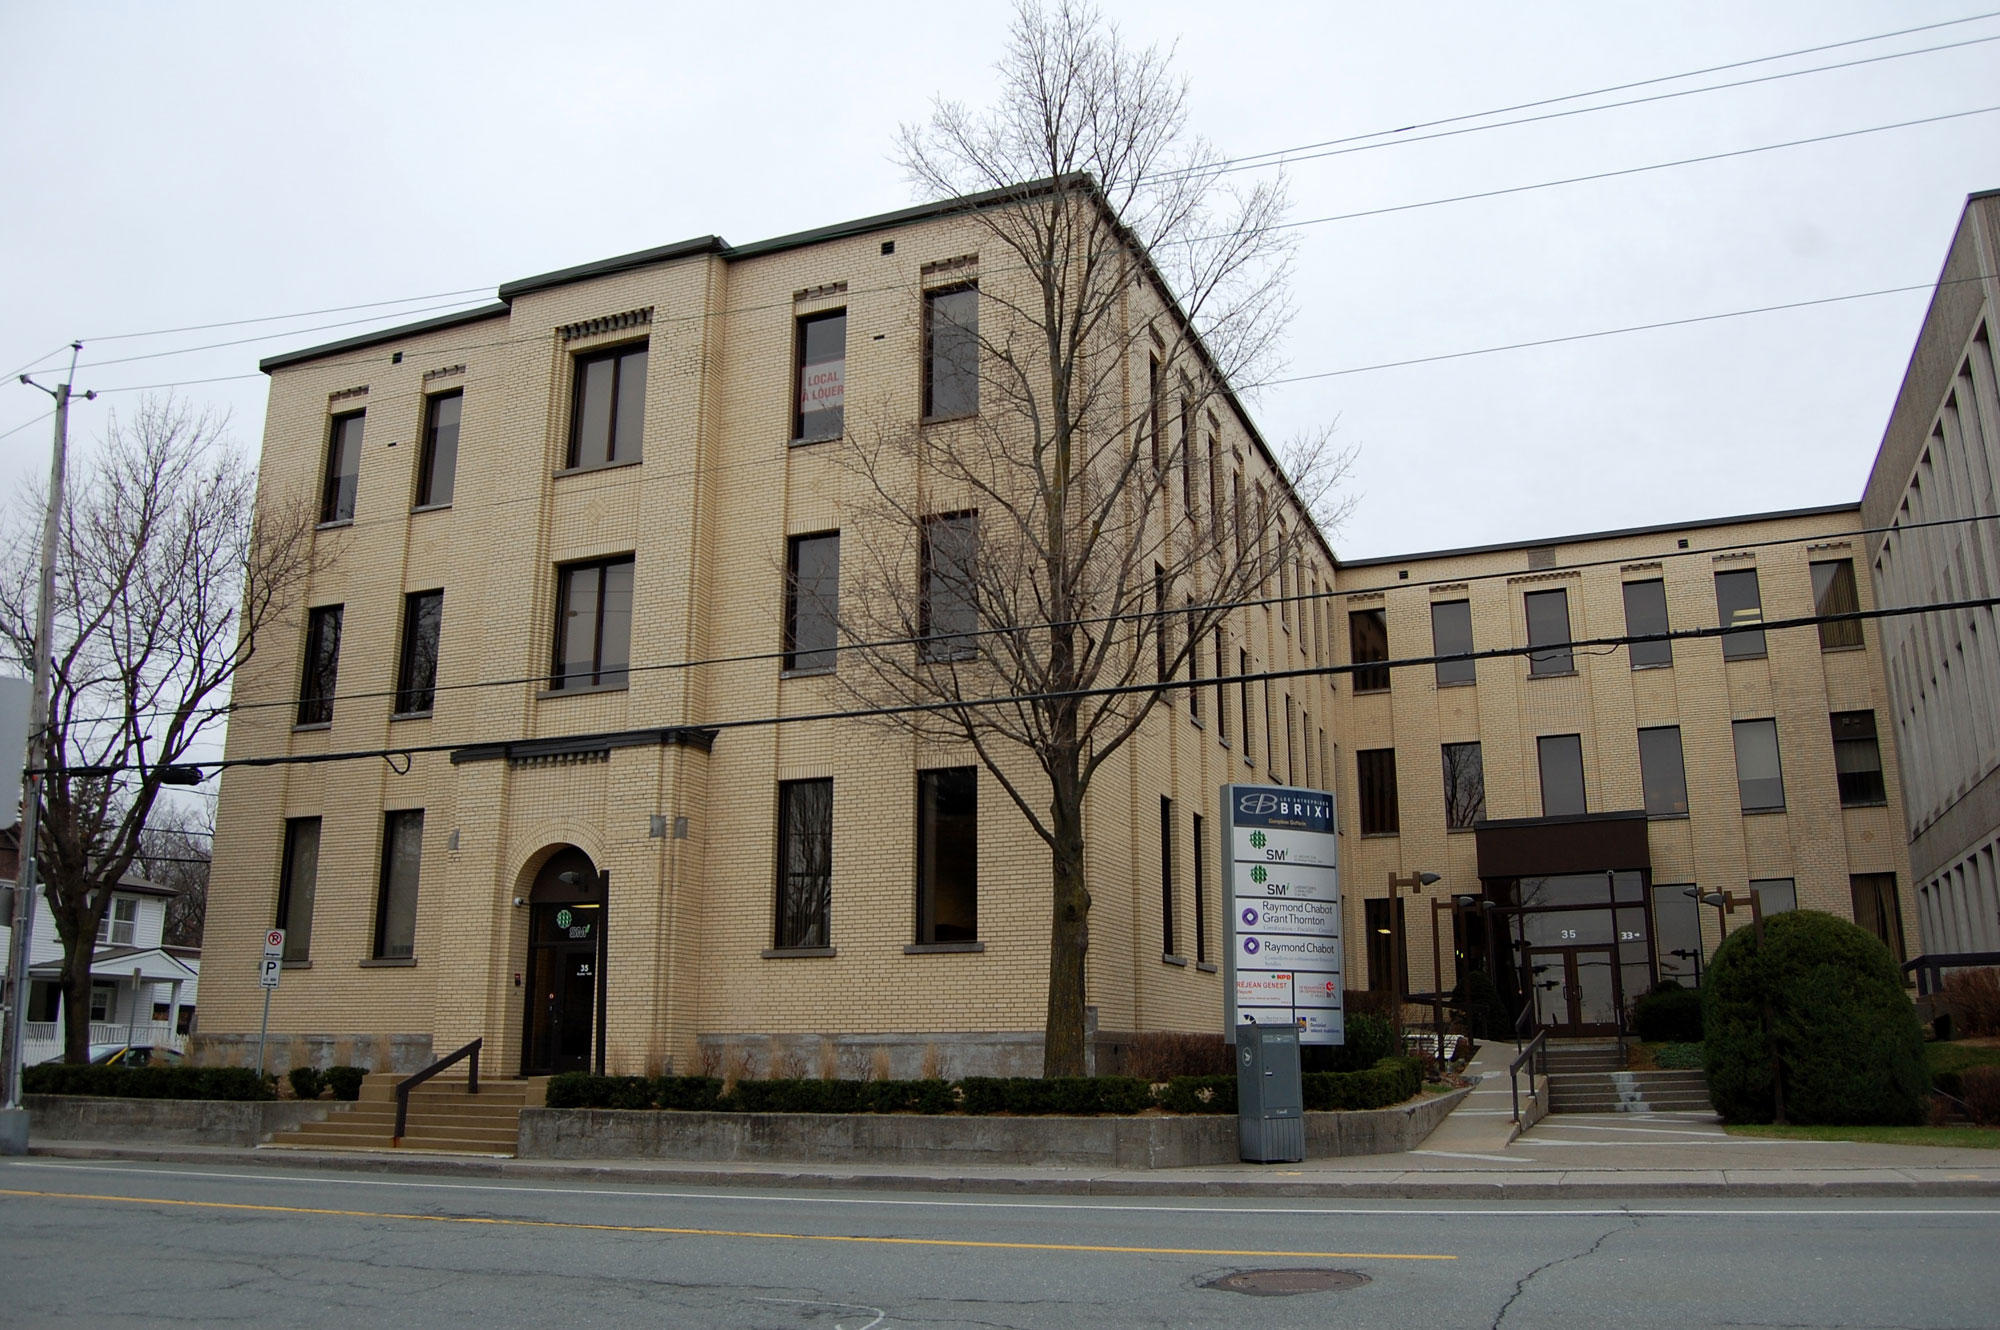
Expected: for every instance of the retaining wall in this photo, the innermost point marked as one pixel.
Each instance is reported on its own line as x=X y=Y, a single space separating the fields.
x=952 y=1141
x=64 y=1117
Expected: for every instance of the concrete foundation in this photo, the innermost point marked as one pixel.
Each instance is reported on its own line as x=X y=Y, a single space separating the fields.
x=282 y=1052
x=167 y=1121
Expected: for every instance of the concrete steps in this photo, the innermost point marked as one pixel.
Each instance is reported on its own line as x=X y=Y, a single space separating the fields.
x=443 y=1118
x=1573 y=1055
x=1628 y=1092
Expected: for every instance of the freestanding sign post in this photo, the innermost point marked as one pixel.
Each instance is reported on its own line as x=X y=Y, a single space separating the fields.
x=1283 y=961
x=268 y=971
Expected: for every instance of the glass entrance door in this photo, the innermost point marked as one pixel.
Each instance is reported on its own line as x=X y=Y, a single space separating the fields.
x=1577 y=989
x=562 y=989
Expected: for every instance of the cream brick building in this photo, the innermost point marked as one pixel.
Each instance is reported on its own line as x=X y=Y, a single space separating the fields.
x=620 y=468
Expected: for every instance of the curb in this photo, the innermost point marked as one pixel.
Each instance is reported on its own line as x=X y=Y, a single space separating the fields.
x=1548 y=1187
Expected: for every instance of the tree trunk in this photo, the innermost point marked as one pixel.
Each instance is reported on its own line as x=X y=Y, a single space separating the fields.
x=76 y=1012
x=1063 y=1051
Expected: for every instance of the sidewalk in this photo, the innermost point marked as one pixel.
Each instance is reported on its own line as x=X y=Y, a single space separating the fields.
x=1603 y=1158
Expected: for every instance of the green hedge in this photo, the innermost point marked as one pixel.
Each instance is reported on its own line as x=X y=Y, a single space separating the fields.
x=177 y=1082
x=1389 y=1081
x=346 y=1081
x=1669 y=1014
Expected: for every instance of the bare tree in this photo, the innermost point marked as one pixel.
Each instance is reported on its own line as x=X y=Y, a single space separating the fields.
x=1068 y=544
x=174 y=853
x=166 y=583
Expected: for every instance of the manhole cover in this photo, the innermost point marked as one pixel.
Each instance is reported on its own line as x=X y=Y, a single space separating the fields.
x=1284 y=1283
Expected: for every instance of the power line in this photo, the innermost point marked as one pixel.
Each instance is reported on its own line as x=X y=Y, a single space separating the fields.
x=25 y=424
x=265 y=337
x=297 y=314
x=1112 y=690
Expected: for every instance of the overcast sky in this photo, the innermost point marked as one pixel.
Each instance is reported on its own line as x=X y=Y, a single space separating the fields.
x=171 y=165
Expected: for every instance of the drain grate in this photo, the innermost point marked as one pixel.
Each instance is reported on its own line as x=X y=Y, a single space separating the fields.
x=1285 y=1283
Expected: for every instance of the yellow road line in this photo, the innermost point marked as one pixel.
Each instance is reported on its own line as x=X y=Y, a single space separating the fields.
x=730 y=1233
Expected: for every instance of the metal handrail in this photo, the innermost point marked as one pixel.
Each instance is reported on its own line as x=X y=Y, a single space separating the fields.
x=1523 y=1021
x=409 y=1083
x=1536 y=1051
x=1929 y=970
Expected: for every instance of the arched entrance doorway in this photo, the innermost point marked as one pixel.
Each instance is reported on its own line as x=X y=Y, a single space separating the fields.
x=565 y=977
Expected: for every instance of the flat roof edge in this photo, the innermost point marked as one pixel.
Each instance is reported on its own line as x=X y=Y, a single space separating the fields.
x=283 y=359
x=640 y=258
x=1583 y=537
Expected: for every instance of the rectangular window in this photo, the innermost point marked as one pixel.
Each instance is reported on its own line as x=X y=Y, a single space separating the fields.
x=1367 y=643
x=119 y=922
x=1284 y=582
x=416 y=671
x=819 y=411
x=1291 y=748
x=1161 y=646
x=1464 y=785
x=1561 y=759
x=1194 y=667
x=1190 y=490
x=1270 y=734
x=1221 y=697
x=1451 y=635
x=1375 y=785
x=1857 y=759
x=949 y=613
x=343 y=468
x=1875 y=909
x=44 y=999
x=1388 y=964
x=1548 y=627
x=396 y=909
x=437 y=472
x=103 y=1002
x=322 y=666
x=1834 y=593
x=1758 y=777
x=296 y=884
x=1677 y=934
x=1166 y=876
x=1200 y=895
x=1306 y=731
x=1663 y=772
x=812 y=601
x=1243 y=700
x=1214 y=484
x=1236 y=509
x=948 y=855
x=805 y=863
x=608 y=410
x=1645 y=613
x=1775 y=895
x=593 y=625
x=1151 y=425
x=1738 y=601
x=951 y=353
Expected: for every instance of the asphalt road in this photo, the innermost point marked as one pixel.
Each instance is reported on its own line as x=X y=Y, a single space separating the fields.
x=119 y=1244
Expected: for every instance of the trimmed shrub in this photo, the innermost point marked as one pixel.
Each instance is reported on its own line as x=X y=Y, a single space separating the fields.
x=345 y=1081
x=1076 y=1096
x=307 y=1083
x=1161 y=1055
x=1198 y=1094
x=580 y=1089
x=1369 y=1040
x=1678 y=1057
x=1979 y=1091
x=1389 y=1081
x=1844 y=1031
x=176 y=1082
x=695 y=1094
x=1669 y=1014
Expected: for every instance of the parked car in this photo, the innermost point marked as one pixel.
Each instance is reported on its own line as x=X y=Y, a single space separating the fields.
x=128 y=1055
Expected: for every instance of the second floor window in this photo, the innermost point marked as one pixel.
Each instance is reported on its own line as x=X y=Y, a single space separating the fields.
x=1759 y=777
x=805 y=863
x=1834 y=593
x=1560 y=757
x=1375 y=782
x=438 y=469
x=1368 y=642
x=1739 y=601
x=812 y=601
x=1857 y=759
x=1451 y=635
x=343 y=468
x=951 y=352
x=593 y=625
x=608 y=412
x=416 y=672
x=1663 y=771
x=1464 y=785
x=1548 y=628
x=819 y=411
x=120 y=922
x=949 y=613
x=322 y=666
x=1646 y=613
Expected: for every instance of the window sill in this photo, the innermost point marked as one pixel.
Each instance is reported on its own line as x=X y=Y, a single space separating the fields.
x=1195 y=721
x=444 y=507
x=334 y=525
x=1835 y=651
x=1762 y=812
x=598 y=466
x=1380 y=835
x=941 y=948
x=1673 y=817
x=295 y=965
x=1168 y=958
x=1761 y=655
x=390 y=963
x=307 y=726
x=1458 y=683
x=818 y=672
x=807 y=443
x=1370 y=692
x=580 y=689
x=1459 y=831
x=1656 y=665
x=1871 y=803
x=1551 y=674
x=409 y=715
x=787 y=953
x=1206 y=967
x=946 y=420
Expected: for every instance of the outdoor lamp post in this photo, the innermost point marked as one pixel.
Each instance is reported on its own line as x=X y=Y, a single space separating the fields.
x=1439 y=905
x=1399 y=943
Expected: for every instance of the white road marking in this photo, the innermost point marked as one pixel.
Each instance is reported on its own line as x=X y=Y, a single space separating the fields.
x=1456 y=1154
x=318 y=1179
x=1657 y=1131
x=880 y=1315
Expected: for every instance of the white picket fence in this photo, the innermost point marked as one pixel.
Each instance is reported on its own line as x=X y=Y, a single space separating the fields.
x=45 y=1038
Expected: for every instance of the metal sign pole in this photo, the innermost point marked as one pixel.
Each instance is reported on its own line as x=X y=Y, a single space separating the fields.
x=263 y=1029
x=268 y=971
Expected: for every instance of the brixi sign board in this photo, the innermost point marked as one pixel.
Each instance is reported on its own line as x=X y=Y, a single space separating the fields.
x=1283 y=890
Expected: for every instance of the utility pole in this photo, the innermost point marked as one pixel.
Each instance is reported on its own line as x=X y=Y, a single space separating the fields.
x=14 y=1118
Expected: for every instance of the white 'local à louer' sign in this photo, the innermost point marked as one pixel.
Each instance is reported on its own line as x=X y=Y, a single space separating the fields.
x=1283 y=890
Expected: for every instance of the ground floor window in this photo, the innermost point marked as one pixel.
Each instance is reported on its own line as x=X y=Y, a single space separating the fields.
x=805 y=863
x=1775 y=895
x=1677 y=933
x=948 y=855
x=1386 y=969
x=1875 y=909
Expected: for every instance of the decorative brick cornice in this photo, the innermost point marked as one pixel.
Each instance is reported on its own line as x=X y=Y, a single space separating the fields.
x=940 y=267
x=631 y=318
x=1560 y=575
x=443 y=373
x=1361 y=597
x=1736 y=556
x=1443 y=587
x=345 y=393
x=820 y=292
x=1826 y=545
x=1649 y=566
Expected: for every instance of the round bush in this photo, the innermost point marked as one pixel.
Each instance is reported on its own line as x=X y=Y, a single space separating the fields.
x=1845 y=1033
x=1669 y=1014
